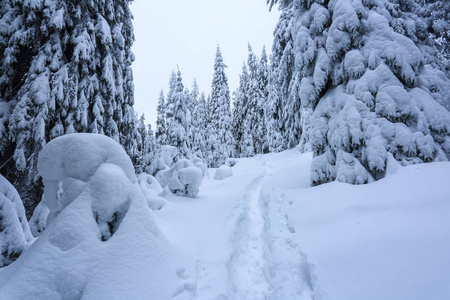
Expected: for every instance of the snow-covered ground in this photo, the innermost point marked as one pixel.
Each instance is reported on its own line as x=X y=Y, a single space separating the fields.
x=265 y=234
x=262 y=233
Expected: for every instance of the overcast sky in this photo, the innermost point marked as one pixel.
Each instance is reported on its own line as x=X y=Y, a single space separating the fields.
x=186 y=33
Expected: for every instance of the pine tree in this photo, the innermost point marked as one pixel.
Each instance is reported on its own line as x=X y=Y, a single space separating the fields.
x=247 y=143
x=199 y=128
x=257 y=93
x=170 y=103
x=366 y=87
x=141 y=143
x=220 y=118
x=239 y=111
x=194 y=95
x=281 y=69
x=65 y=67
x=178 y=124
x=161 y=120
x=150 y=148
x=15 y=234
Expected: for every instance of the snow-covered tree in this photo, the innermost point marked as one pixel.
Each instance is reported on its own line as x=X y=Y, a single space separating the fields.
x=436 y=15
x=15 y=234
x=199 y=128
x=195 y=93
x=179 y=120
x=211 y=146
x=65 y=66
x=363 y=86
x=262 y=80
x=161 y=120
x=220 y=118
x=150 y=148
x=239 y=111
x=170 y=105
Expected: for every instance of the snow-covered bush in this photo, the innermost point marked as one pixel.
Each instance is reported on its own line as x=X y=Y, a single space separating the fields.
x=163 y=160
x=183 y=177
x=186 y=181
x=152 y=191
x=223 y=172
x=72 y=161
x=231 y=162
x=15 y=234
x=38 y=221
x=100 y=229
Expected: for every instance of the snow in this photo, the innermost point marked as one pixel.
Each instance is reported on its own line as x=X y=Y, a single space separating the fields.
x=15 y=234
x=152 y=191
x=262 y=233
x=265 y=234
x=103 y=242
x=223 y=172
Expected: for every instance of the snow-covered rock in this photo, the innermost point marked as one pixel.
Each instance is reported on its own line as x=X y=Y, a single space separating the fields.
x=15 y=234
x=223 y=172
x=101 y=241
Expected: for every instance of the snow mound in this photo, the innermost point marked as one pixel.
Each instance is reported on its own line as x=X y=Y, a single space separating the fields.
x=15 y=234
x=101 y=241
x=182 y=179
x=152 y=191
x=223 y=172
x=231 y=162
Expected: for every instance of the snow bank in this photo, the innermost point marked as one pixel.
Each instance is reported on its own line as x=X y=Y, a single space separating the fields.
x=15 y=234
x=101 y=241
x=223 y=172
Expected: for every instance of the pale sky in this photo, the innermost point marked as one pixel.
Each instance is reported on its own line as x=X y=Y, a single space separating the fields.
x=186 y=33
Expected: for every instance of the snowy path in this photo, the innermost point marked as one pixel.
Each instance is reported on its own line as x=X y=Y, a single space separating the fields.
x=246 y=268
x=262 y=241
x=246 y=248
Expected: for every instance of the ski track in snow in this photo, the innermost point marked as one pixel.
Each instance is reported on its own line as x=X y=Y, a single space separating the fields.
x=246 y=268
x=262 y=241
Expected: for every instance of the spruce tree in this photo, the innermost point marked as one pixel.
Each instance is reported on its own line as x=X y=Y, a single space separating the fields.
x=150 y=148
x=220 y=118
x=178 y=125
x=65 y=67
x=161 y=120
x=263 y=82
x=239 y=111
x=170 y=105
x=199 y=128
x=195 y=93
x=366 y=87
